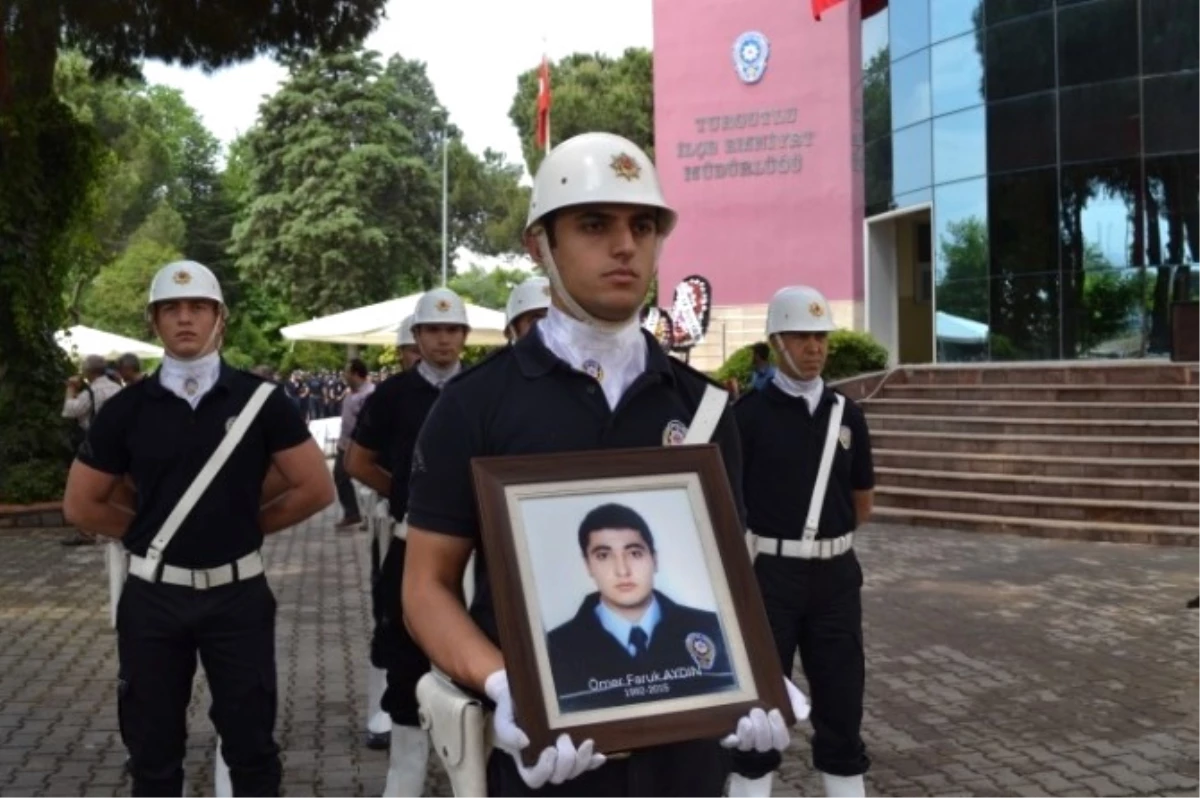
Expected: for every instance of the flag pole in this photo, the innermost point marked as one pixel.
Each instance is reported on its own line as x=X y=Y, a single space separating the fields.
x=550 y=110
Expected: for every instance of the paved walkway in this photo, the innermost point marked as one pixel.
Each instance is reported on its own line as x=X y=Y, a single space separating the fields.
x=996 y=666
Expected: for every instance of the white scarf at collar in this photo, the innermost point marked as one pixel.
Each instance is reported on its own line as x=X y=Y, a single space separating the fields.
x=614 y=358
x=437 y=377
x=810 y=390
x=190 y=380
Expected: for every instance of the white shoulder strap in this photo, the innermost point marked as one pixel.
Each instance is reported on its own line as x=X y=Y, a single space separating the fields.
x=822 y=483
x=200 y=484
x=708 y=415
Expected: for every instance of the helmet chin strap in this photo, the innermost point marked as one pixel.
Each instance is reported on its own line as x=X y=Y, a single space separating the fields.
x=782 y=350
x=572 y=307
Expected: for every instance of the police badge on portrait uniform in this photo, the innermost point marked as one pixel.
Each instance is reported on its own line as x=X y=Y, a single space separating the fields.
x=750 y=52
x=674 y=433
x=844 y=437
x=701 y=649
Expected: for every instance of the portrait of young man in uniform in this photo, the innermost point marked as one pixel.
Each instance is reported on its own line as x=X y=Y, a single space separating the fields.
x=629 y=642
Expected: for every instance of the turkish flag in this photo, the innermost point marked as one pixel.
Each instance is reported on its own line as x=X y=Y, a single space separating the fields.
x=822 y=5
x=543 y=105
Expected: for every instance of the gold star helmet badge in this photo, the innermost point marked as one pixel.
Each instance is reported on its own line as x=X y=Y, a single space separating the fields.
x=442 y=305
x=625 y=167
x=182 y=277
x=816 y=310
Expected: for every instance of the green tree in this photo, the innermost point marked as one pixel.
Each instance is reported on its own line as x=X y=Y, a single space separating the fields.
x=962 y=286
x=488 y=289
x=488 y=205
x=50 y=159
x=589 y=93
x=344 y=207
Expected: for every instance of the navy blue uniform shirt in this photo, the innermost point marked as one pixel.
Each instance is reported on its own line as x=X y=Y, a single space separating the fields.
x=388 y=425
x=782 y=443
x=525 y=400
x=150 y=433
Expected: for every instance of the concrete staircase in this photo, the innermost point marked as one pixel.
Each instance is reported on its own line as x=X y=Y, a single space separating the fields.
x=1092 y=450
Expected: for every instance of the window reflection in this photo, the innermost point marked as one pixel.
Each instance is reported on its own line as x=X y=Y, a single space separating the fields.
x=874 y=37
x=909 y=199
x=1097 y=41
x=961 y=270
x=1103 y=240
x=1172 y=113
x=951 y=17
x=910 y=90
x=1170 y=29
x=1100 y=121
x=912 y=158
x=959 y=145
x=1020 y=57
x=909 y=28
x=878 y=168
x=877 y=98
x=997 y=11
x=1021 y=133
x=956 y=70
x=1173 y=239
x=1023 y=315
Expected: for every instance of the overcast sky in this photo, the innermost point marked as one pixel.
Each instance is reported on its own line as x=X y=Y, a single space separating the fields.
x=474 y=50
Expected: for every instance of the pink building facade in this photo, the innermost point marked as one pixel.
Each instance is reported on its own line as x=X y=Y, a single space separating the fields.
x=762 y=156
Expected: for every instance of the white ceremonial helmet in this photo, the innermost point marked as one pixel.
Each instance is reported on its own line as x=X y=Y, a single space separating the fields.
x=404 y=335
x=586 y=169
x=440 y=306
x=185 y=279
x=799 y=308
x=532 y=294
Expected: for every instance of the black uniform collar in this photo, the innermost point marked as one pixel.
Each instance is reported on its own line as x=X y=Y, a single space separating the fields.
x=156 y=390
x=535 y=359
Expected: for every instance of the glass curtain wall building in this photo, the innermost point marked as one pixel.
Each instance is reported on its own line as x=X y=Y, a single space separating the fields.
x=1057 y=141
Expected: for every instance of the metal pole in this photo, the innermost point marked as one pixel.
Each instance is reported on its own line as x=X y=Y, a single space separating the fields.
x=445 y=200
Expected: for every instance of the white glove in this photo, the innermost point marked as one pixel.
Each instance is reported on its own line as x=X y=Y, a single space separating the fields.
x=765 y=731
x=556 y=763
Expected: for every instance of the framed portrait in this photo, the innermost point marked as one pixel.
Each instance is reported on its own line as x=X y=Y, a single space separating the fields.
x=627 y=606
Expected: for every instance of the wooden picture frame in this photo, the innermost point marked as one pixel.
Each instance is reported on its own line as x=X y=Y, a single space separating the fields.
x=567 y=675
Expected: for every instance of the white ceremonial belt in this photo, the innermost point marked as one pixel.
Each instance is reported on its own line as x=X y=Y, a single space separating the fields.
x=400 y=530
x=821 y=549
x=199 y=578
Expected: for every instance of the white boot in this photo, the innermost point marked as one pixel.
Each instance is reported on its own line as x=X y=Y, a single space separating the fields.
x=222 y=785
x=407 y=762
x=844 y=786
x=378 y=723
x=742 y=787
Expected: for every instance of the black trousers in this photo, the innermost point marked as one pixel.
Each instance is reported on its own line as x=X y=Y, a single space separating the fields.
x=160 y=630
x=392 y=647
x=347 y=497
x=815 y=607
x=697 y=768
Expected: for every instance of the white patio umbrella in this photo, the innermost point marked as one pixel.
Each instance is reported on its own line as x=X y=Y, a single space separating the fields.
x=957 y=330
x=378 y=324
x=80 y=341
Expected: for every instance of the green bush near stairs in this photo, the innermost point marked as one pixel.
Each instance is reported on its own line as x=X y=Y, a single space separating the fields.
x=850 y=353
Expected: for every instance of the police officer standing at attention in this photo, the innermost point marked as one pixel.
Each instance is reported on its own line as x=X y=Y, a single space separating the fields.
x=809 y=483
x=381 y=457
x=527 y=302
x=197 y=438
x=586 y=378
x=379 y=725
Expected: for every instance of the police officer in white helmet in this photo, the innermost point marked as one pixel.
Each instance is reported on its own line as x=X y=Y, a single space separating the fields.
x=381 y=457
x=586 y=377
x=407 y=352
x=809 y=483
x=197 y=440
x=528 y=302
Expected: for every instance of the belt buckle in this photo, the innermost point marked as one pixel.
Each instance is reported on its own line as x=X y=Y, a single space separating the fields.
x=805 y=550
x=200 y=580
